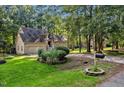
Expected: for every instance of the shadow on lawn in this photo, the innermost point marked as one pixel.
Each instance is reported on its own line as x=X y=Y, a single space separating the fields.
x=20 y=59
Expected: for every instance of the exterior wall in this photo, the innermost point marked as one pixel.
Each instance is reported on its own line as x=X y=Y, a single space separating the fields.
x=60 y=44
x=19 y=45
x=32 y=48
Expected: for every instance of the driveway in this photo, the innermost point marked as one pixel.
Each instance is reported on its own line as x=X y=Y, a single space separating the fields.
x=115 y=81
x=107 y=58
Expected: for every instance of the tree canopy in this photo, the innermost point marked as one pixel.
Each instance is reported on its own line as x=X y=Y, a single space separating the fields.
x=80 y=24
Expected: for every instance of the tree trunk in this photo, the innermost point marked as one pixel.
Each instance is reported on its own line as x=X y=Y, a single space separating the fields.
x=116 y=45
x=79 y=43
x=68 y=41
x=95 y=45
x=112 y=45
x=99 y=50
x=100 y=42
x=13 y=45
x=72 y=43
x=102 y=45
x=14 y=39
x=88 y=43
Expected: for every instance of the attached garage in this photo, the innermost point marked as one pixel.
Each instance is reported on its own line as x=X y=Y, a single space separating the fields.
x=30 y=40
x=33 y=48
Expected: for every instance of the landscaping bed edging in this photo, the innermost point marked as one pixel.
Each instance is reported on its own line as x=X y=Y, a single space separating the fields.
x=2 y=61
x=89 y=72
x=55 y=62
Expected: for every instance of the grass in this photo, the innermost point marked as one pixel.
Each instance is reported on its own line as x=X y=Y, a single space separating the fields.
x=119 y=53
x=26 y=71
x=76 y=51
x=112 y=53
x=108 y=48
x=83 y=50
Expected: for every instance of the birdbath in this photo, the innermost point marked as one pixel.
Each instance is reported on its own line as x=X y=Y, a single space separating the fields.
x=95 y=71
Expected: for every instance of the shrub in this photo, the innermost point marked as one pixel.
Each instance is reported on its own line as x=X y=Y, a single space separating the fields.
x=49 y=56
x=44 y=56
x=61 y=54
x=63 y=48
x=40 y=51
x=108 y=45
x=52 y=56
x=54 y=53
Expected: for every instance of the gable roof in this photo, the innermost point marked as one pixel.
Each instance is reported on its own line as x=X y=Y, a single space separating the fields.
x=58 y=38
x=37 y=35
x=32 y=35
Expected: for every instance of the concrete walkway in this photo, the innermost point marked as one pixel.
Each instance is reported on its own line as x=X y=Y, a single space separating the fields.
x=115 y=81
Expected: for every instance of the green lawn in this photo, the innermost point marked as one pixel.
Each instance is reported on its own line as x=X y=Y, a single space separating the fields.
x=110 y=53
x=75 y=51
x=119 y=53
x=83 y=50
x=26 y=71
x=106 y=52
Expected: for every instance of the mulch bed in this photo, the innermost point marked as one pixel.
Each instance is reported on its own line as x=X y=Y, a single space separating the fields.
x=2 y=61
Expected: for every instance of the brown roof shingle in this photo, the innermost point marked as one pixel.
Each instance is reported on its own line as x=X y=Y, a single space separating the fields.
x=32 y=35
x=37 y=35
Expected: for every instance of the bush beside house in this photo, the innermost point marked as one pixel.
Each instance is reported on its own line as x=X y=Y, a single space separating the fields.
x=54 y=56
x=63 y=48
